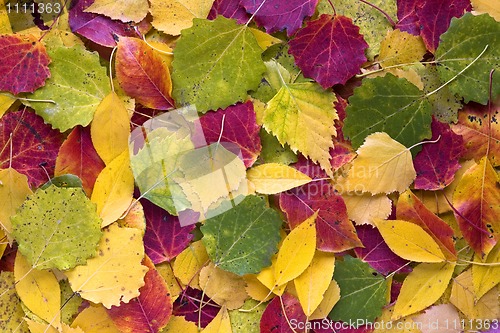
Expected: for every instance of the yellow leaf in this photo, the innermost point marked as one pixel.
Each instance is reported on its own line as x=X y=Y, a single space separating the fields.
x=113 y=189
x=189 y=262
x=3 y=242
x=264 y=40
x=171 y=16
x=224 y=288
x=220 y=324
x=400 y=47
x=409 y=241
x=383 y=165
x=423 y=287
x=296 y=252
x=486 y=277
x=115 y=274
x=110 y=128
x=384 y=324
x=363 y=208
x=273 y=178
x=134 y=218
x=5 y=27
x=38 y=290
x=179 y=324
x=6 y=100
x=36 y=327
x=312 y=284
x=123 y=10
x=491 y=7
x=462 y=296
x=166 y=272
x=13 y=191
x=95 y=319
x=330 y=298
x=256 y=290
x=266 y=277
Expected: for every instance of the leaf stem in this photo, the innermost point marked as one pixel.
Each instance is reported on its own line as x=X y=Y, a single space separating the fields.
x=333 y=7
x=391 y=21
x=32 y=100
x=423 y=142
x=111 y=68
x=154 y=48
x=255 y=13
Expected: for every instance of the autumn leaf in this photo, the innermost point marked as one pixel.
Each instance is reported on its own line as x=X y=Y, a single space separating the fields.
x=12 y=313
x=400 y=47
x=273 y=178
x=486 y=277
x=279 y=313
x=363 y=208
x=229 y=9
x=123 y=10
x=13 y=191
x=24 y=65
x=196 y=307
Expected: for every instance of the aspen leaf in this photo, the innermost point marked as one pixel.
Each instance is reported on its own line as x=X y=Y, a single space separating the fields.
x=110 y=128
x=409 y=241
x=220 y=324
x=189 y=262
x=180 y=324
x=312 y=284
x=267 y=278
x=486 y=277
x=38 y=290
x=12 y=315
x=95 y=319
x=436 y=319
x=296 y=252
x=116 y=273
x=36 y=327
x=491 y=7
x=400 y=47
x=123 y=10
x=264 y=40
x=330 y=298
x=273 y=178
x=403 y=325
x=113 y=189
x=256 y=289
x=383 y=165
x=13 y=191
x=363 y=208
x=422 y=287
x=244 y=322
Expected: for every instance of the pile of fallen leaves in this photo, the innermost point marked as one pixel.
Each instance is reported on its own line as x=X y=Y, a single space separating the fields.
x=249 y=166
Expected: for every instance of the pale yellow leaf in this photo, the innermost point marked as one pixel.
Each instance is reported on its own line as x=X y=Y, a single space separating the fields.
x=312 y=284
x=135 y=218
x=113 y=189
x=171 y=16
x=385 y=324
x=256 y=290
x=363 y=208
x=115 y=274
x=180 y=324
x=189 y=262
x=13 y=191
x=224 y=288
x=273 y=178
x=263 y=39
x=463 y=297
x=491 y=7
x=95 y=319
x=296 y=252
x=400 y=47
x=486 y=276
x=166 y=272
x=110 y=128
x=38 y=290
x=36 y=327
x=441 y=318
x=330 y=298
x=423 y=287
x=123 y=10
x=409 y=241
x=220 y=324
x=383 y=165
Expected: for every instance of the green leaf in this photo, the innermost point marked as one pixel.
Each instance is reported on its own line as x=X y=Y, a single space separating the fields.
x=77 y=85
x=245 y=322
x=242 y=240
x=362 y=291
x=464 y=40
x=302 y=115
x=373 y=25
x=57 y=228
x=388 y=104
x=11 y=312
x=273 y=152
x=228 y=64
x=71 y=301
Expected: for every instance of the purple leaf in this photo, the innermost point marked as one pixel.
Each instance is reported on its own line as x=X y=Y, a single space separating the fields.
x=230 y=9
x=165 y=238
x=437 y=163
x=276 y=15
x=188 y=305
x=276 y=317
x=329 y=50
x=98 y=28
x=376 y=252
x=407 y=16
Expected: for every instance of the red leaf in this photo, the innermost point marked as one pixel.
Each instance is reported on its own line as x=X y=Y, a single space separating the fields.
x=78 y=156
x=342 y=152
x=24 y=64
x=435 y=17
x=376 y=252
x=407 y=16
x=143 y=74
x=150 y=311
x=411 y=209
x=230 y=9
x=240 y=128
x=335 y=233
x=196 y=307
x=276 y=15
x=164 y=238
x=34 y=145
x=473 y=126
x=98 y=28
x=329 y=50
x=276 y=317
x=437 y=163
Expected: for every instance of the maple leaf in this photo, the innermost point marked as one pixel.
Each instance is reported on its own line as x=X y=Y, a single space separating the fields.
x=329 y=50
x=25 y=63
